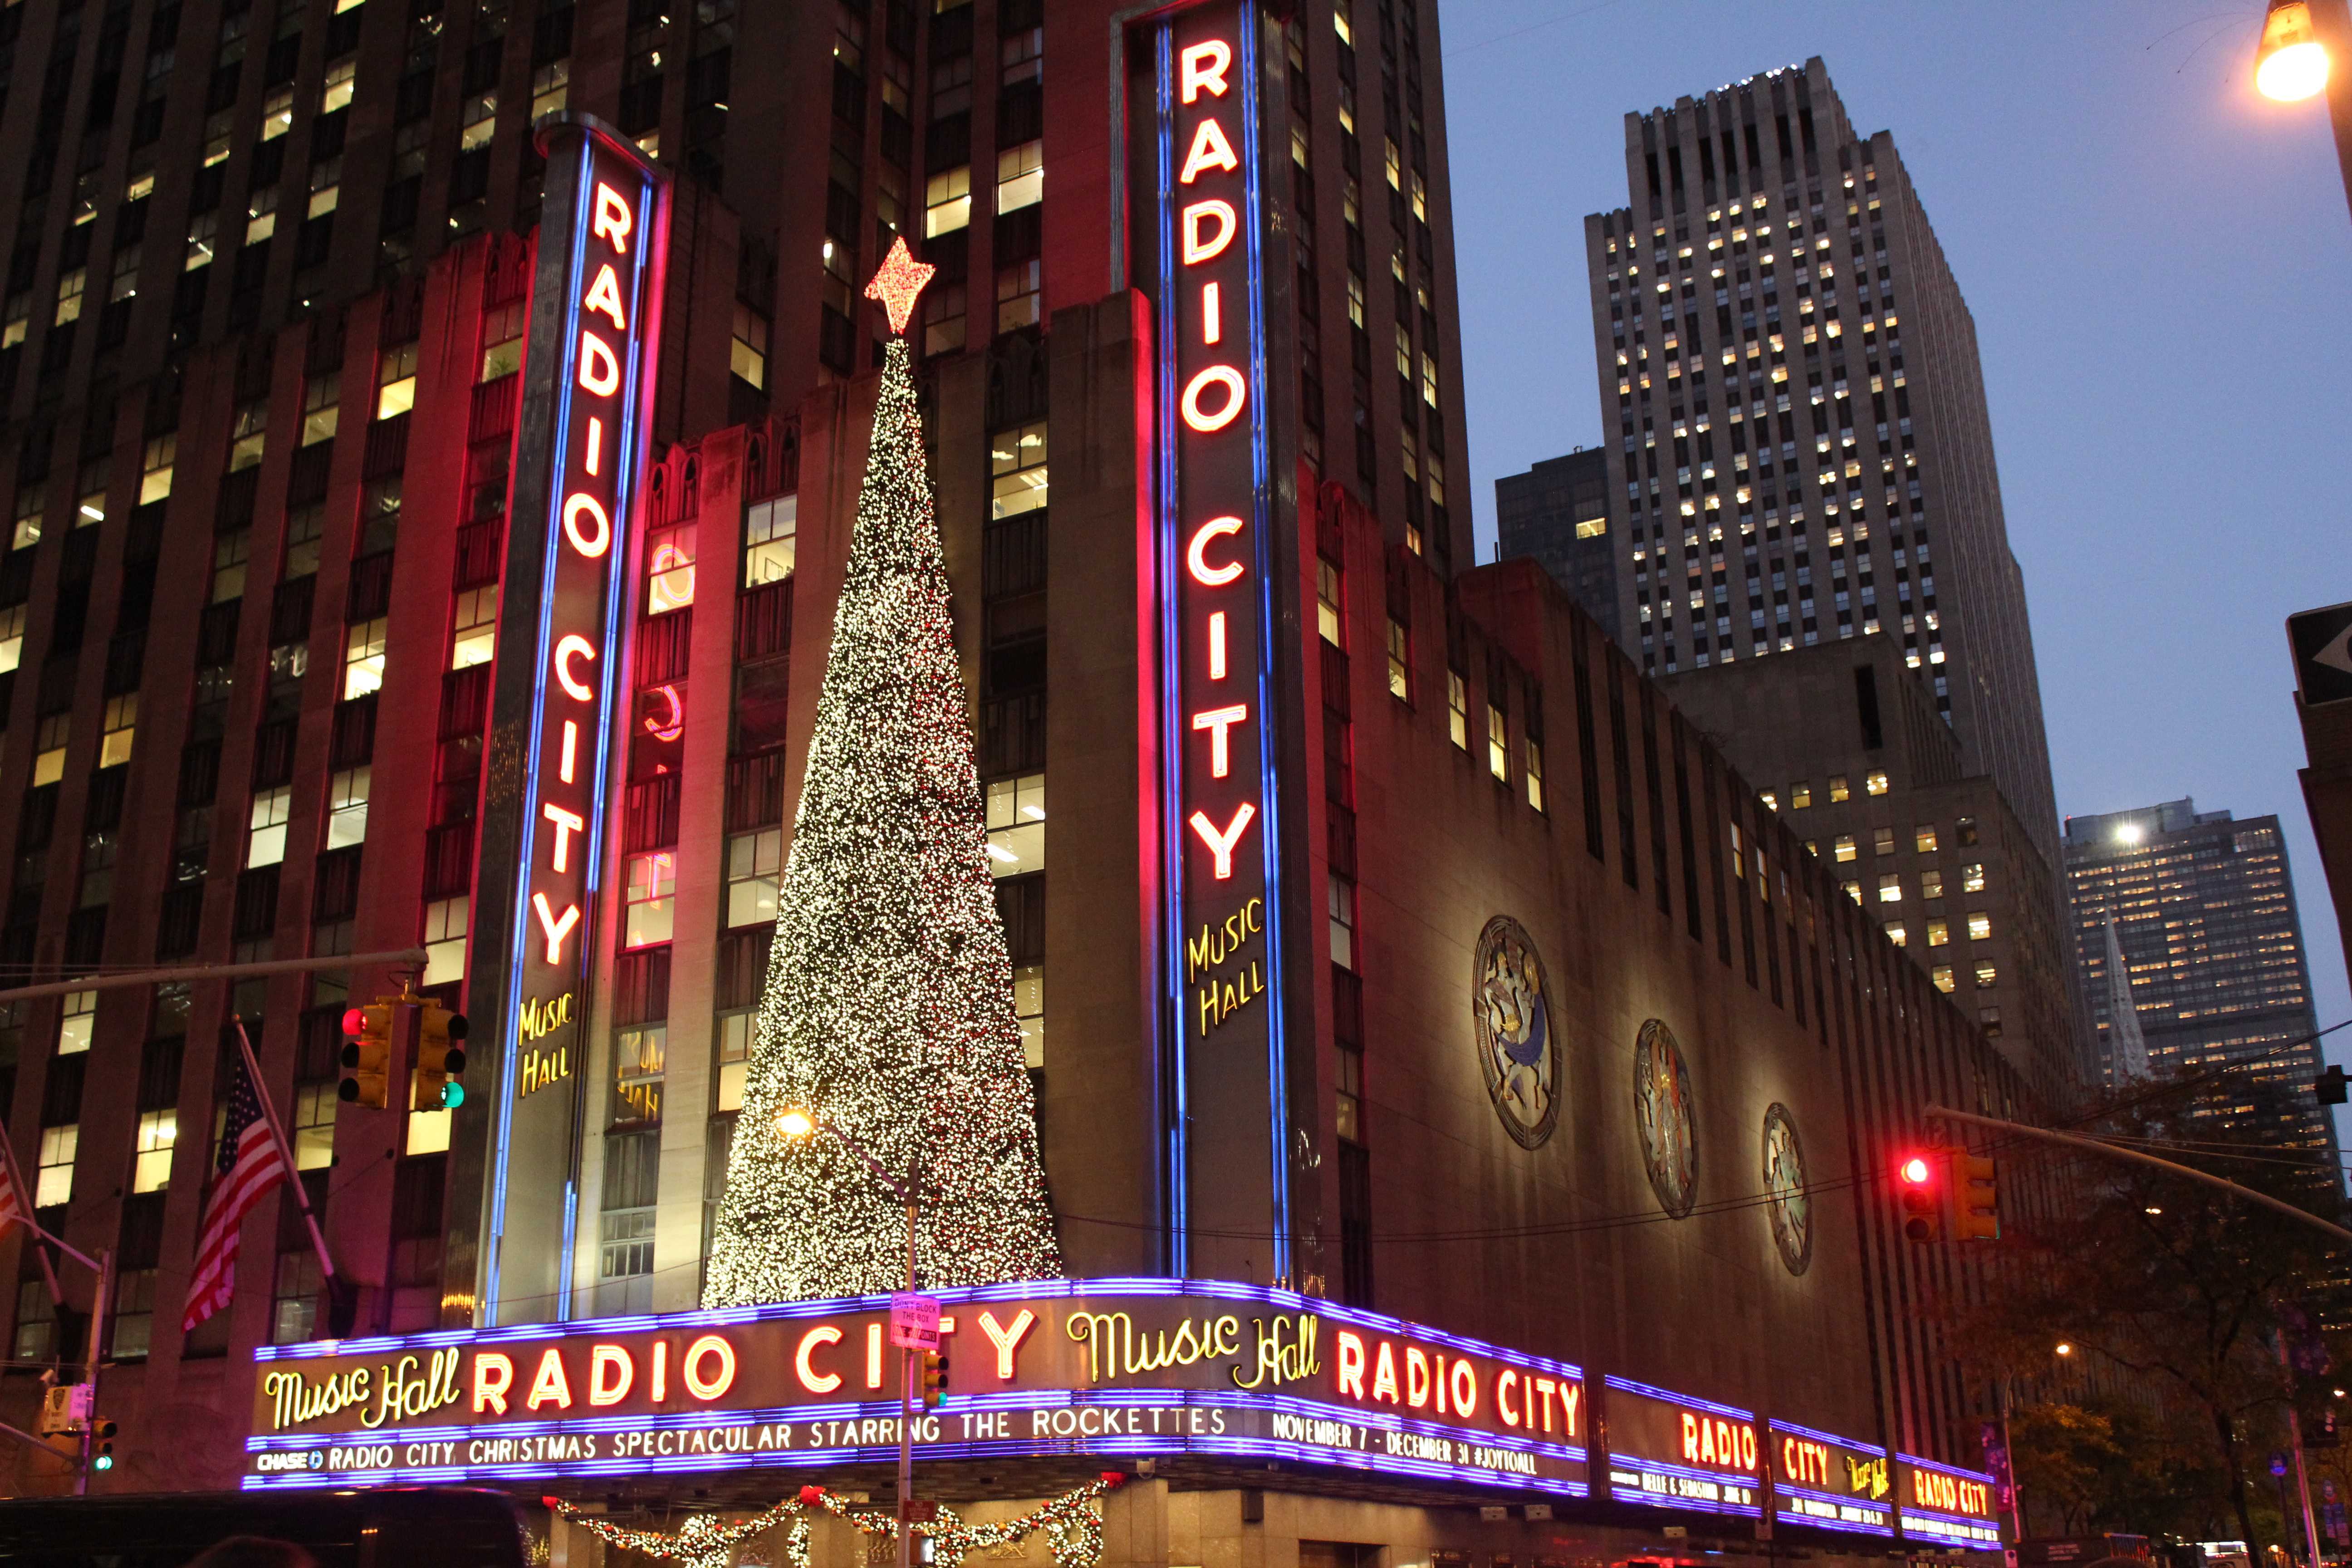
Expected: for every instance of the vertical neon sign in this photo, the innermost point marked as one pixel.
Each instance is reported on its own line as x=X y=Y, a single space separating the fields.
x=580 y=451
x=1223 y=961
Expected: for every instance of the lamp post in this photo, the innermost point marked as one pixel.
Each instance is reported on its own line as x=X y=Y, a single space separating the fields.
x=2303 y=41
x=795 y=1123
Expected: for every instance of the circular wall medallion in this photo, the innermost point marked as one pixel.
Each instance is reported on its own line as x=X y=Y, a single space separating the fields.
x=1662 y=1111
x=1519 y=1051
x=1785 y=1198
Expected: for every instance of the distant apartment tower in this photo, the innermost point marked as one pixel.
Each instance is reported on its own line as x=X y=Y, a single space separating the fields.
x=1558 y=511
x=2201 y=906
x=1801 y=451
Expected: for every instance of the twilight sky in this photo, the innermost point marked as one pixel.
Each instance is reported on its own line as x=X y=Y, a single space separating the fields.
x=2159 y=263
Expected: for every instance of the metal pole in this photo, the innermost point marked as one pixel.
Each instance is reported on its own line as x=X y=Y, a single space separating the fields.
x=285 y=1149
x=906 y=1410
x=2008 y=1463
x=2076 y=1141
x=415 y=956
x=25 y=1196
x=2295 y=1439
x=97 y=1338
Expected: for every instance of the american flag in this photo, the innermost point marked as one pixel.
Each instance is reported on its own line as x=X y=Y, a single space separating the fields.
x=248 y=1166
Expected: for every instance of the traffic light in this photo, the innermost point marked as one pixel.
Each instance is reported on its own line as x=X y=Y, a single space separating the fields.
x=1975 y=1203
x=1923 y=1202
x=2330 y=1087
x=101 y=1452
x=440 y=1057
x=935 y=1378
x=367 y=1053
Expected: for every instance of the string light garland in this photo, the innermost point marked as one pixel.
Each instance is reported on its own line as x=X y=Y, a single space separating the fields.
x=1071 y=1524
x=888 y=1006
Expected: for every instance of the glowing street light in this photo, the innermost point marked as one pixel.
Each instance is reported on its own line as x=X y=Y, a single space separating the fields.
x=795 y=1122
x=2291 y=63
x=2065 y=1349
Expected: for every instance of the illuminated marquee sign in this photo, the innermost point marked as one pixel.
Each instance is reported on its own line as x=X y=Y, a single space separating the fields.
x=1940 y=1503
x=1670 y=1451
x=581 y=450
x=1830 y=1482
x=1108 y=1366
x=1218 y=683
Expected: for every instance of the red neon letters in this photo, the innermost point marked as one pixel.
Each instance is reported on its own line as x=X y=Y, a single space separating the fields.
x=1386 y=1371
x=1713 y=1440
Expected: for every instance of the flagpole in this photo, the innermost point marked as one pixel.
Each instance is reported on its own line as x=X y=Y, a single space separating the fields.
x=16 y=1179
x=285 y=1151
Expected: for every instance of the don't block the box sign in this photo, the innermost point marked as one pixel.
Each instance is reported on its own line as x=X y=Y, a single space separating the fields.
x=1110 y=1366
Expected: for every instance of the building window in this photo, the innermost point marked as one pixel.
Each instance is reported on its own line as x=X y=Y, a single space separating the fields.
x=120 y=724
x=1771 y=802
x=347 y=806
x=651 y=899
x=74 y=1025
x=49 y=740
x=1972 y=877
x=735 y=1031
x=1964 y=832
x=1351 y=1120
x=1842 y=847
x=232 y=554
x=1890 y=888
x=1942 y=975
x=1535 y=774
x=1988 y=973
x=624 y=1264
x=503 y=329
x=445 y=940
x=267 y=844
x=640 y=1059
x=1457 y=709
x=1800 y=796
x=479 y=122
x=319 y=410
x=336 y=92
x=395 y=381
x=770 y=530
x=1029 y=1011
x=133 y=1329
x=943 y=319
x=550 y=88
x=155 y=467
x=150 y=1171
x=1326 y=603
x=69 y=290
x=1017 y=470
x=53 y=1181
x=1400 y=661
x=294 y=1297
x=748 y=355
x=947 y=202
x=1343 y=901
x=1020 y=295
x=1895 y=934
x=1874 y=782
x=1882 y=840
x=202 y=230
x=314 y=1124
x=1939 y=933
x=1838 y=791
x=32 y=499
x=669 y=569
x=1853 y=890
x=1923 y=837
x=1931 y=884
x=1021 y=177
x=1989 y=1019
x=473 y=636
x=755 y=864
x=364 y=658
x=249 y=435
x=12 y=635
x=1017 y=825
x=1499 y=745
x=1979 y=925
x=278 y=114
x=37 y=1322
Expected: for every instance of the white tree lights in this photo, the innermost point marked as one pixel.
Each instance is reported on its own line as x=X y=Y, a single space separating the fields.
x=889 y=1008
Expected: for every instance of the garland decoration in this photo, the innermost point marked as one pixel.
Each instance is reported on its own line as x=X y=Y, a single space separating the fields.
x=1071 y=1524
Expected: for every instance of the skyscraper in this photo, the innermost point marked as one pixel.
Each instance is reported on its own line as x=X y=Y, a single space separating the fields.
x=1795 y=379
x=2201 y=908
x=1801 y=455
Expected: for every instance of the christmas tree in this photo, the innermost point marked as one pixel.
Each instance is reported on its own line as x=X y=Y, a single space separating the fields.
x=888 y=1009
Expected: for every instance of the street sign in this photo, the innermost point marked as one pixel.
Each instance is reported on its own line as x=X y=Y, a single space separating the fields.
x=914 y=1322
x=920 y=1511
x=2278 y=1463
x=2322 y=640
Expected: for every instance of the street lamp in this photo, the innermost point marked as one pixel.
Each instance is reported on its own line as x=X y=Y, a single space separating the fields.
x=2065 y=1349
x=2291 y=63
x=795 y=1123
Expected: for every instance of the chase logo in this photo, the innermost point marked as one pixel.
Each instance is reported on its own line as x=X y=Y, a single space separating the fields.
x=304 y=1459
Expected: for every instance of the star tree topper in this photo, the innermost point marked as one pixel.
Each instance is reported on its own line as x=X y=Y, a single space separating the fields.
x=901 y=278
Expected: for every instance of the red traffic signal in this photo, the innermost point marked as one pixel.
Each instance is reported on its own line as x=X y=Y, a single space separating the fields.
x=1923 y=1198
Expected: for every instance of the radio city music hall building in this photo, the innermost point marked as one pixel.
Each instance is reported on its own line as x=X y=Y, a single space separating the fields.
x=1493 y=1059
